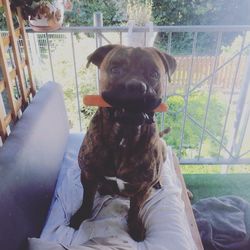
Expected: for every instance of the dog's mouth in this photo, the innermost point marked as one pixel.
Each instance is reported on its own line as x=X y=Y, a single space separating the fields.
x=133 y=102
x=133 y=109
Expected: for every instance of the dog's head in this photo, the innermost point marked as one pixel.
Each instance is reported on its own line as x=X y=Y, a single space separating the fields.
x=132 y=78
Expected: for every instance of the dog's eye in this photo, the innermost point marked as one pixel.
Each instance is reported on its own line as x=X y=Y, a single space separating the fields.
x=154 y=75
x=116 y=70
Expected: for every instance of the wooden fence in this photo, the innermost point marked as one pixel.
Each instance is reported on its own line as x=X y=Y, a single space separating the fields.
x=203 y=66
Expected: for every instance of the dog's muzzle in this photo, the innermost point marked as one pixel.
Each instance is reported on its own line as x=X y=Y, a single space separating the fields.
x=132 y=102
x=133 y=95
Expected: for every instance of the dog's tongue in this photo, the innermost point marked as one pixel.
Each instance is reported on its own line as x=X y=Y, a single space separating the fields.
x=133 y=102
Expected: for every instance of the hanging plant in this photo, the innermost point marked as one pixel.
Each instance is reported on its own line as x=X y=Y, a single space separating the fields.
x=41 y=15
x=139 y=11
x=139 y=14
x=68 y=5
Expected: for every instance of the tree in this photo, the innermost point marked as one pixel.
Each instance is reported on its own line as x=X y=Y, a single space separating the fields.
x=201 y=12
x=82 y=12
x=166 y=12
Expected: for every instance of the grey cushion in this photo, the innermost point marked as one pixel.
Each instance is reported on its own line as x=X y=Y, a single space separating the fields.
x=223 y=222
x=29 y=164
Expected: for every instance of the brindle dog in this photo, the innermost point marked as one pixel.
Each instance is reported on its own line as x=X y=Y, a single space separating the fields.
x=122 y=152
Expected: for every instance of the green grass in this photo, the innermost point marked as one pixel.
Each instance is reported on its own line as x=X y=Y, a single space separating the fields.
x=215 y=185
x=214 y=169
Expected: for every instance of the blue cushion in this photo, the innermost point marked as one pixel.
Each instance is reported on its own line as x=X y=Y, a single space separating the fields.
x=29 y=164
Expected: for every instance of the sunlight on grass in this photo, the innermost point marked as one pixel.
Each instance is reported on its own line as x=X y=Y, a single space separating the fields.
x=200 y=169
x=214 y=169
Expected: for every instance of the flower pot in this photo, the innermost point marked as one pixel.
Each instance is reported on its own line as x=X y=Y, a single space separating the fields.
x=49 y=17
x=139 y=39
x=68 y=5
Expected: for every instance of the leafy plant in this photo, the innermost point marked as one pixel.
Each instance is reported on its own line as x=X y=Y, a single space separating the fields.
x=3 y=23
x=82 y=12
x=140 y=12
x=35 y=9
x=234 y=47
x=192 y=134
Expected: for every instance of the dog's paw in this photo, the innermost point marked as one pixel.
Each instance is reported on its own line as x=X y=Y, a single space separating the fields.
x=137 y=230
x=78 y=218
x=75 y=221
x=190 y=194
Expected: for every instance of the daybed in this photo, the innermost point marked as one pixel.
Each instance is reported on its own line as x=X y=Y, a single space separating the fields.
x=40 y=155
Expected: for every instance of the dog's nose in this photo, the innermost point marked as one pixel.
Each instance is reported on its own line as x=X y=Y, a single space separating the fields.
x=136 y=86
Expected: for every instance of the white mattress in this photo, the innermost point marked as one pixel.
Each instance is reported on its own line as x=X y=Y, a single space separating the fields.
x=163 y=214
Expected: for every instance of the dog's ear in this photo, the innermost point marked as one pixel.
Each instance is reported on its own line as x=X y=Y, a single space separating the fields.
x=169 y=63
x=98 y=55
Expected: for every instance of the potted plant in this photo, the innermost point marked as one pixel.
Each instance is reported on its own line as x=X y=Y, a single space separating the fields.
x=42 y=15
x=139 y=14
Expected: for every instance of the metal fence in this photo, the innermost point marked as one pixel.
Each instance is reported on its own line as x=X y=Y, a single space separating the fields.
x=209 y=97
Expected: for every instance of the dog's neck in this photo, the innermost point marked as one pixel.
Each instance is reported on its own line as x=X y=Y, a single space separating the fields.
x=130 y=119
x=126 y=133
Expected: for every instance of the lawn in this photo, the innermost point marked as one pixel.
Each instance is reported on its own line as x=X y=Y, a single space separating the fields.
x=215 y=169
x=215 y=185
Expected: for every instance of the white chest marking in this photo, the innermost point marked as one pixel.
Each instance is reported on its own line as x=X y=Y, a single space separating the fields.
x=120 y=183
x=122 y=143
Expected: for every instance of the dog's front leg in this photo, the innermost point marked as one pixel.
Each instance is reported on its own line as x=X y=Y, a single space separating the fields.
x=85 y=211
x=135 y=225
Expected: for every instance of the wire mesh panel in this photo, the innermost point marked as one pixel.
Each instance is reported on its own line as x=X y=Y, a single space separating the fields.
x=208 y=113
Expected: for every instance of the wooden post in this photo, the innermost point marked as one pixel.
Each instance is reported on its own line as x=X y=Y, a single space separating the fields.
x=7 y=80
x=16 y=52
x=8 y=86
x=26 y=51
x=3 y=132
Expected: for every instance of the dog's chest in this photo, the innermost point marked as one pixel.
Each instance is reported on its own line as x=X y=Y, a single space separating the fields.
x=121 y=184
x=123 y=171
x=121 y=155
x=122 y=161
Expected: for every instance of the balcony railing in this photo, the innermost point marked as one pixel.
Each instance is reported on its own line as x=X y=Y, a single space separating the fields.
x=208 y=97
